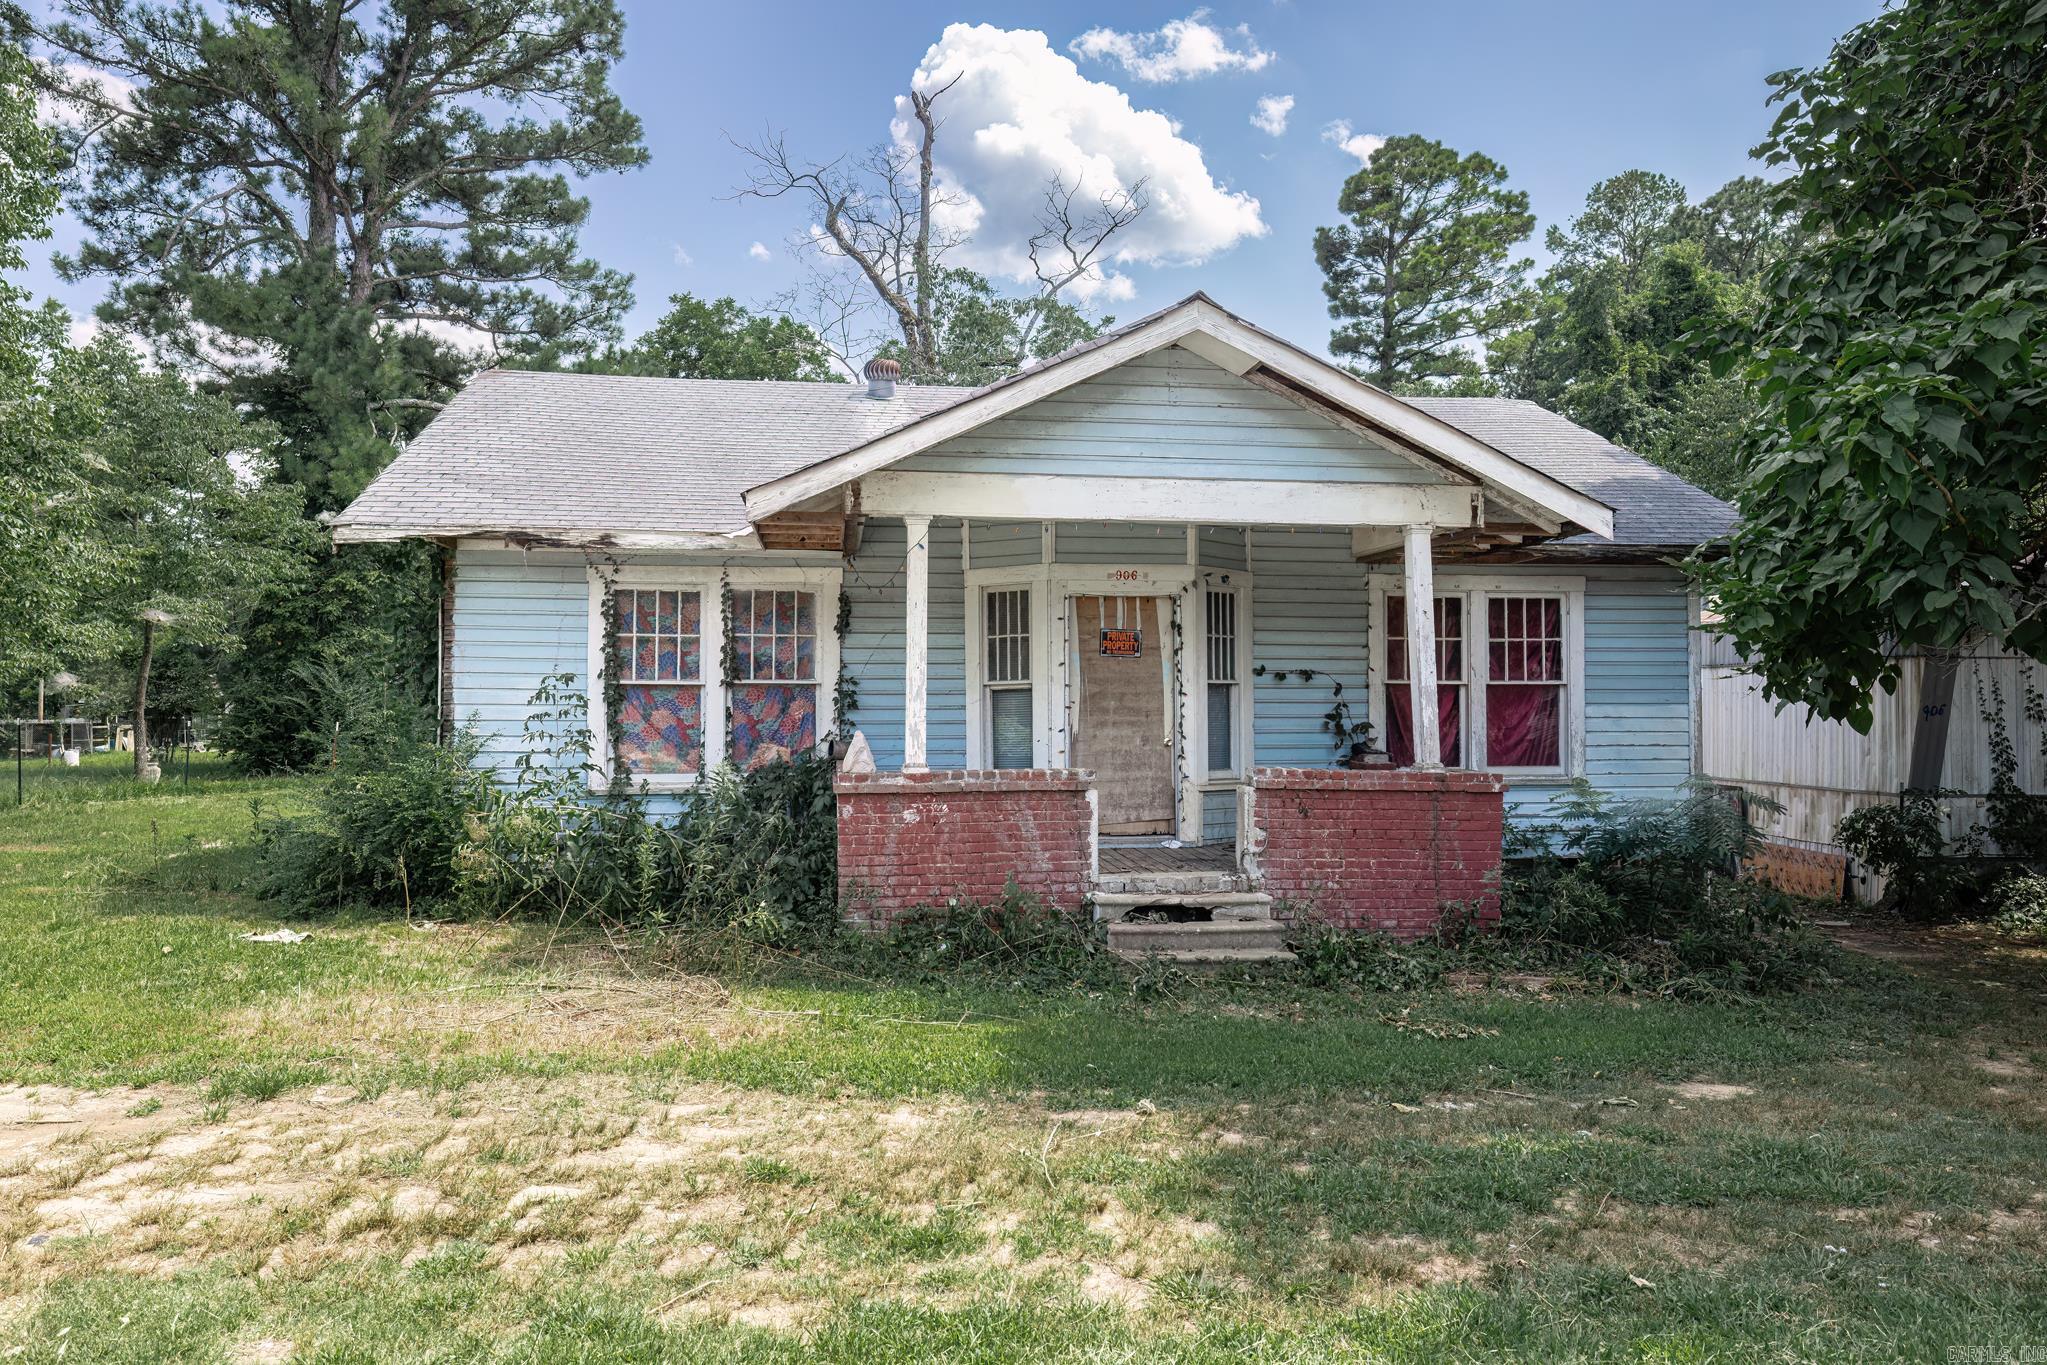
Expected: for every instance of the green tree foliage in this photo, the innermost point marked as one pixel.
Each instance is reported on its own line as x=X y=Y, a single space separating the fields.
x=46 y=552
x=1892 y=494
x=1743 y=228
x=193 y=531
x=1424 y=266
x=1627 y=220
x=1611 y=342
x=289 y=195
x=982 y=336
x=716 y=339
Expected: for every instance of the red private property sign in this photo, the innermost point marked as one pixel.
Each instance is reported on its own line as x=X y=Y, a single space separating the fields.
x=1123 y=644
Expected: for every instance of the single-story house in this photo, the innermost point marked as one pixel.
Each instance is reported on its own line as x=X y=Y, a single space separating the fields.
x=1109 y=628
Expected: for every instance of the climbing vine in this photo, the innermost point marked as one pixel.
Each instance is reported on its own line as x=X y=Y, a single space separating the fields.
x=845 y=690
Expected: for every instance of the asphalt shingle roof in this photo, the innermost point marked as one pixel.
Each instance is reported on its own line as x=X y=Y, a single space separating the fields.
x=1651 y=505
x=580 y=455
x=537 y=451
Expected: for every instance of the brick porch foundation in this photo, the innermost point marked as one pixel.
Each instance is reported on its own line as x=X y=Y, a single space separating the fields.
x=911 y=839
x=1377 y=848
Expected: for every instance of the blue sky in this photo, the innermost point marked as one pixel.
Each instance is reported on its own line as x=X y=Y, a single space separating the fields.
x=1563 y=93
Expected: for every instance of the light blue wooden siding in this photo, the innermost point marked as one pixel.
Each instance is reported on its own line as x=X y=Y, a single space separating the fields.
x=1638 y=696
x=872 y=651
x=1219 y=816
x=1309 y=605
x=1169 y=414
x=1006 y=544
x=1101 y=542
x=1222 y=547
x=519 y=619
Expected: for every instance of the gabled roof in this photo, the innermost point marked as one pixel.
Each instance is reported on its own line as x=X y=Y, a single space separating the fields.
x=629 y=460
x=1198 y=323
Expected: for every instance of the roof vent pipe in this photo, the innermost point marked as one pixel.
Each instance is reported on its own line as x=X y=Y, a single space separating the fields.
x=882 y=374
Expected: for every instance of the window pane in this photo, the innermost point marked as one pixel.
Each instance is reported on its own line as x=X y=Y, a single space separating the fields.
x=772 y=721
x=1525 y=639
x=1449 y=721
x=1222 y=637
x=1221 y=717
x=1523 y=725
x=662 y=729
x=1008 y=635
x=1449 y=638
x=774 y=635
x=658 y=636
x=1009 y=727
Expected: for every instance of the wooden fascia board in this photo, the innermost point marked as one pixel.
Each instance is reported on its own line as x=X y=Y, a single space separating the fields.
x=1246 y=502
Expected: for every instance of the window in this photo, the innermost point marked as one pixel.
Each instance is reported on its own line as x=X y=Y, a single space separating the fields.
x=1222 y=681
x=1505 y=677
x=1524 y=686
x=660 y=665
x=774 y=675
x=1449 y=681
x=1006 y=669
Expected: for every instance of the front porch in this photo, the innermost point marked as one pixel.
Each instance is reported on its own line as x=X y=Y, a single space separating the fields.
x=1382 y=849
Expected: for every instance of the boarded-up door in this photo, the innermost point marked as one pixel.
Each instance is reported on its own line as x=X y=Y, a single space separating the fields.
x=1122 y=724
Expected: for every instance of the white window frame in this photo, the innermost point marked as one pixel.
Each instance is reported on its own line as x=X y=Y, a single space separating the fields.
x=1237 y=584
x=1475 y=590
x=980 y=583
x=710 y=582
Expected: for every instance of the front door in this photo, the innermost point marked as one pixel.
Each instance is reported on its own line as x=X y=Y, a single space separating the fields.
x=1122 y=710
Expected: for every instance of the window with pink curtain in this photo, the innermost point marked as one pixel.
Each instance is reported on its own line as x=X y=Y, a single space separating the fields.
x=1524 y=688
x=1399 y=734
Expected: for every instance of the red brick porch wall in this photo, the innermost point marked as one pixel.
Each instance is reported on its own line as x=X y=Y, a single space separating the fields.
x=1379 y=848
x=911 y=839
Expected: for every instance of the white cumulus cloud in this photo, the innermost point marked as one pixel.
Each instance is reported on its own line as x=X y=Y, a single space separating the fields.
x=682 y=257
x=759 y=251
x=104 y=93
x=1180 y=50
x=1360 y=145
x=1271 y=114
x=1019 y=115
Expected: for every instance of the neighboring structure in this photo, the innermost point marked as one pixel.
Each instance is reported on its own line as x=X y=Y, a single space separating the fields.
x=1110 y=623
x=1932 y=733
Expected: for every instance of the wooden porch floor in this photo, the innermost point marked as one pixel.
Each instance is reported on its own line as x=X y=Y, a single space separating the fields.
x=1123 y=860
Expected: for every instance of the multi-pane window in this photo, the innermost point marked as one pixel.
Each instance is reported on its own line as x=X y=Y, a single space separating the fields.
x=774 y=677
x=1524 y=684
x=1222 y=681
x=1449 y=681
x=660 y=667
x=1006 y=674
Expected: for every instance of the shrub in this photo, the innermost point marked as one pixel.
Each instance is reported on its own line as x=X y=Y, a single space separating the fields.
x=1646 y=896
x=1018 y=936
x=755 y=850
x=1334 y=958
x=386 y=831
x=1905 y=842
x=2018 y=906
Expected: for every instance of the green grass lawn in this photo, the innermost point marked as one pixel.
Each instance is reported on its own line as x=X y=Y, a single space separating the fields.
x=404 y=1141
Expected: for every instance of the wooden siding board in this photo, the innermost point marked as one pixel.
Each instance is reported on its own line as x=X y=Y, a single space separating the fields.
x=1169 y=414
x=1308 y=610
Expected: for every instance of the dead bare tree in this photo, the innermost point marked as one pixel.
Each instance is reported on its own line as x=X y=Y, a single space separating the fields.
x=878 y=246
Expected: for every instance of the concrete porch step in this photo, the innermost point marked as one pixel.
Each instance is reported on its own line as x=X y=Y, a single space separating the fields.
x=1176 y=885
x=1211 y=941
x=1221 y=905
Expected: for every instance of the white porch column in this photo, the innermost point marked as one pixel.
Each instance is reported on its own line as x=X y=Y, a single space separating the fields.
x=916 y=640
x=1421 y=649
